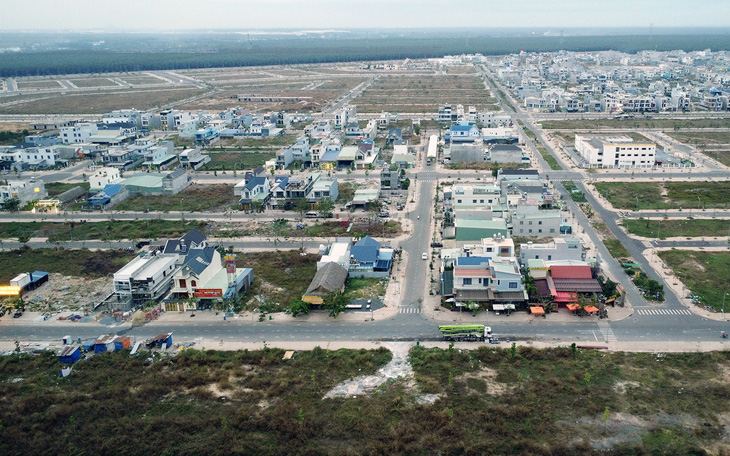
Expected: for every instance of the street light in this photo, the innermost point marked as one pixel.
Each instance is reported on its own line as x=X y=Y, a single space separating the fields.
x=182 y=217
x=723 y=305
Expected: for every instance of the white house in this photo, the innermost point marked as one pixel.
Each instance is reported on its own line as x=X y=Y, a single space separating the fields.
x=615 y=151
x=103 y=177
x=79 y=133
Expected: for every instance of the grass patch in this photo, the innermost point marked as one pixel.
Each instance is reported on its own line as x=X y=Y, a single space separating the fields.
x=196 y=198
x=362 y=288
x=672 y=228
x=575 y=193
x=490 y=401
x=669 y=195
x=281 y=278
x=224 y=161
x=616 y=248
x=56 y=188
x=80 y=263
x=103 y=230
x=548 y=157
x=706 y=274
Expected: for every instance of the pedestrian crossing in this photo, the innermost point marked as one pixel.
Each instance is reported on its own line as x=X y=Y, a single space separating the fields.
x=683 y=312
x=606 y=331
x=409 y=310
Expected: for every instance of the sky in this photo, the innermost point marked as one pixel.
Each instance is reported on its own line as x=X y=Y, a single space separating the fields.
x=165 y=15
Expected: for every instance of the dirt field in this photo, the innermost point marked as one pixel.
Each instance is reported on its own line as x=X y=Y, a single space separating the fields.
x=144 y=79
x=423 y=93
x=38 y=84
x=64 y=293
x=93 y=82
x=101 y=102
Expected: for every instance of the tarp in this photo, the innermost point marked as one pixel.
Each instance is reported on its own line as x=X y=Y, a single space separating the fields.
x=537 y=310
x=590 y=309
x=573 y=307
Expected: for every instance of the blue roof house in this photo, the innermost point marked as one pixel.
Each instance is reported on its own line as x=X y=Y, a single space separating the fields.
x=368 y=259
x=460 y=133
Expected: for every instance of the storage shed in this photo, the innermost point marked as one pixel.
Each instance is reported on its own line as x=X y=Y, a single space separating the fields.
x=121 y=342
x=69 y=355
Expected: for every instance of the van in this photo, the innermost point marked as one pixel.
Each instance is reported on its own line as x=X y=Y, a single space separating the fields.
x=312 y=214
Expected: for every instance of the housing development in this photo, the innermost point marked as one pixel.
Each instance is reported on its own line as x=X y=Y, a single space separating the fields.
x=559 y=200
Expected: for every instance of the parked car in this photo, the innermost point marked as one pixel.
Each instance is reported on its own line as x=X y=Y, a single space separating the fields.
x=437 y=244
x=384 y=214
x=424 y=256
x=18 y=314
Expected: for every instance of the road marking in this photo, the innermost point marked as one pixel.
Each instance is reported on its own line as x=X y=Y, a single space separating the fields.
x=607 y=332
x=682 y=312
x=405 y=310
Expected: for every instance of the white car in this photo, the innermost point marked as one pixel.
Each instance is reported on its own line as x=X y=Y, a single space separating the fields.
x=424 y=256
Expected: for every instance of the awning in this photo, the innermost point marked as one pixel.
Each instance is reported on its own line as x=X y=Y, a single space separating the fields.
x=590 y=309
x=565 y=296
x=537 y=310
x=497 y=306
x=572 y=306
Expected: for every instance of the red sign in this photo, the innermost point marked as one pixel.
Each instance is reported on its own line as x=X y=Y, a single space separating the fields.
x=208 y=293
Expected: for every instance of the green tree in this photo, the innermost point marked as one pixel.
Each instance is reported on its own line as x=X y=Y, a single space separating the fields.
x=24 y=238
x=325 y=207
x=257 y=206
x=12 y=204
x=299 y=307
x=335 y=303
x=405 y=184
x=301 y=205
x=374 y=207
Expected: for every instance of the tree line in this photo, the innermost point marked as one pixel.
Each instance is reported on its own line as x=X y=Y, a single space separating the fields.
x=310 y=51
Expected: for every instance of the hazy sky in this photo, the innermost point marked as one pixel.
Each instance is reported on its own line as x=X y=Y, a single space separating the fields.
x=161 y=15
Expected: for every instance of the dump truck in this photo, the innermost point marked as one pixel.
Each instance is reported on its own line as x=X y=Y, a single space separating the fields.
x=466 y=332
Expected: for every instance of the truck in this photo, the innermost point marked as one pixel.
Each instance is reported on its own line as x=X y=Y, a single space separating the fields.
x=466 y=332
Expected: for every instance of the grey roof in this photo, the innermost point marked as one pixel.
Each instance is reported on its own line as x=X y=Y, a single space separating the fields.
x=199 y=259
x=255 y=182
x=505 y=148
x=191 y=239
x=330 y=277
x=177 y=173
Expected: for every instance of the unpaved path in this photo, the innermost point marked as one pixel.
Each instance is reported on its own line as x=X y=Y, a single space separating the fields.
x=398 y=367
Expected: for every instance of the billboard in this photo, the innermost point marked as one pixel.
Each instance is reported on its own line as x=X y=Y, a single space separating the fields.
x=9 y=291
x=208 y=293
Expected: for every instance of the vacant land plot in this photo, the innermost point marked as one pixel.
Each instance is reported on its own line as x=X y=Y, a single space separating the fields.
x=715 y=144
x=93 y=82
x=672 y=228
x=79 y=263
x=580 y=124
x=669 y=195
x=106 y=230
x=236 y=160
x=706 y=274
x=310 y=100
x=574 y=191
x=423 y=93
x=56 y=188
x=281 y=278
x=101 y=102
x=46 y=84
x=196 y=198
x=461 y=69
x=487 y=401
x=140 y=80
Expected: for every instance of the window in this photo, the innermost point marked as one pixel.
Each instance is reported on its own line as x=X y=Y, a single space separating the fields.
x=513 y=284
x=193 y=283
x=183 y=283
x=539 y=222
x=467 y=281
x=552 y=230
x=550 y=257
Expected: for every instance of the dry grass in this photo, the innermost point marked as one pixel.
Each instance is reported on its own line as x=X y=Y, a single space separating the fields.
x=101 y=102
x=93 y=82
